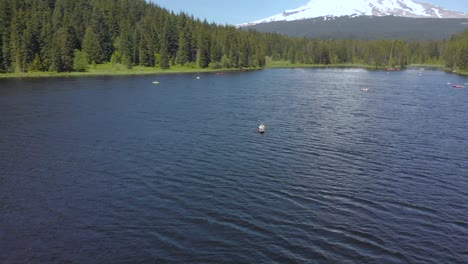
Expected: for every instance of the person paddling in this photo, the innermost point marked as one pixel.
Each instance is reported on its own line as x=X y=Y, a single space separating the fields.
x=261 y=128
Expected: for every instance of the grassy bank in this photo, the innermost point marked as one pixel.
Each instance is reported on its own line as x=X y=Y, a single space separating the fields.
x=110 y=70
x=116 y=70
x=427 y=66
x=460 y=72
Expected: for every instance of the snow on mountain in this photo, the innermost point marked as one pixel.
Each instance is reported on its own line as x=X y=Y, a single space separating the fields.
x=337 y=8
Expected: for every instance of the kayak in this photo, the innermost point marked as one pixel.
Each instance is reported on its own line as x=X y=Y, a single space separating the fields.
x=261 y=129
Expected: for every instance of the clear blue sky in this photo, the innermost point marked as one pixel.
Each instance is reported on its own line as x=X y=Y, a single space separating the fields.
x=240 y=11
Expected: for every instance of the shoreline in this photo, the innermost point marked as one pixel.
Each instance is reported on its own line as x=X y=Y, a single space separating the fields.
x=106 y=70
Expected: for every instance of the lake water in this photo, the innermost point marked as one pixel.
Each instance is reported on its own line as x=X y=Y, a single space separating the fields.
x=121 y=170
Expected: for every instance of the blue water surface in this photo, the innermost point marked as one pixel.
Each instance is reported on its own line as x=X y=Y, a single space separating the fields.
x=121 y=170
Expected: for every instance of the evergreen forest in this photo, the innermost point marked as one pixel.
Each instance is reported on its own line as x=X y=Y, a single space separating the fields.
x=70 y=35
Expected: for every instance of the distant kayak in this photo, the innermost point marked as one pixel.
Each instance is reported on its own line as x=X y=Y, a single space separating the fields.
x=458 y=86
x=155 y=82
x=261 y=129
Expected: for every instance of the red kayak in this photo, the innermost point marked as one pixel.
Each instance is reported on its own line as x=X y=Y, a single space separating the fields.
x=458 y=86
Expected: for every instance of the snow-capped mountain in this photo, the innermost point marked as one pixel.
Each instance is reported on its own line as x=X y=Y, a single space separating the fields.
x=337 y=8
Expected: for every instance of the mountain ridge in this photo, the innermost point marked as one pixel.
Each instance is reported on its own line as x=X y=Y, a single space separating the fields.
x=339 y=8
x=367 y=28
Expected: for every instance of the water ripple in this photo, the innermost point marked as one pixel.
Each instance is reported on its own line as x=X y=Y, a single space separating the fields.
x=112 y=170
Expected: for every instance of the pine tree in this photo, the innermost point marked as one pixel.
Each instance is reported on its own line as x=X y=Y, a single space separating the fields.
x=92 y=46
x=17 y=48
x=46 y=39
x=4 y=32
x=127 y=45
x=103 y=35
x=148 y=42
x=145 y=52
x=204 y=42
x=80 y=61
x=244 y=52
x=164 y=52
x=2 y=69
x=172 y=37
x=164 y=57
x=63 y=50
x=185 y=47
x=463 y=57
x=36 y=64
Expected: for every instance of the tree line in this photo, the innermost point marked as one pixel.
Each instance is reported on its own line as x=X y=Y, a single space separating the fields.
x=456 y=56
x=69 y=35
